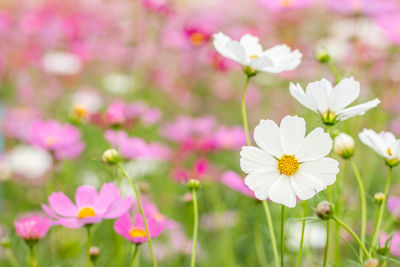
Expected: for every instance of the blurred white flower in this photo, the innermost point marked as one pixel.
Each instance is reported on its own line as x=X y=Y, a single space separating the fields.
x=89 y=100
x=61 y=63
x=250 y=53
x=314 y=235
x=117 y=83
x=30 y=162
x=384 y=143
x=288 y=164
x=330 y=102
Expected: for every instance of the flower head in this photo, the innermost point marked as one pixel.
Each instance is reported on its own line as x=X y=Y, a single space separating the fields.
x=384 y=143
x=249 y=52
x=91 y=207
x=32 y=228
x=136 y=232
x=287 y=164
x=331 y=102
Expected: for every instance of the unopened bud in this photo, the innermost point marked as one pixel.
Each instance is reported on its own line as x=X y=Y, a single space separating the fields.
x=344 y=145
x=324 y=210
x=94 y=253
x=371 y=263
x=193 y=184
x=111 y=156
x=322 y=55
x=379 y=198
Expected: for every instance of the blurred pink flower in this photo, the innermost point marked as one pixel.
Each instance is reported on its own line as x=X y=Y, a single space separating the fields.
x=394 y=244
x=91 y=207
x=158 y=6
x=390 y=26
x=63 y=140
x=199 y=169
x=393 y=205
x=369 y=7
x=135 y=147
x=17 y=122
x=33 y=227
x=116 y=113
x=136 y=232
x=230 y=138
x=284 y=5
x=233 y=180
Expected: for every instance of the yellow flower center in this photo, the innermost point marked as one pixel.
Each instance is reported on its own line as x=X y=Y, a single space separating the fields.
x=253 y=56
x=137 y=232
x=389 y=151
x=288 y=165
x=286 y=2
x=80 y=112
x=86 y=212
x=197 y=38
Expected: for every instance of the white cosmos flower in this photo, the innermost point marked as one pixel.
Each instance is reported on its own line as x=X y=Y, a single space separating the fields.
x=61 y=63
x=331 y=102
x=249 y=52
x=286 y=164
x=384 y=143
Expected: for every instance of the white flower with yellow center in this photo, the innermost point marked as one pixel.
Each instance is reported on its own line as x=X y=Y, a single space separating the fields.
x=287 y=164
x=383 y=143
x=331 y=102
x=249 y=52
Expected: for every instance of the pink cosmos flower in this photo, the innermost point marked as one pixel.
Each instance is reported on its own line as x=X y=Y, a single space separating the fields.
x=369 y=7
x=230 y=138
x=284 y=5
x=64 y=140
x=390 y=26
x=116 y=113
x=393 y=204
x=33 y=227
x=136 y=232
x=233 y=180
x=199 y=168
x=394 y=244
x=135 y=147
x=158 y=6
x=91 y=207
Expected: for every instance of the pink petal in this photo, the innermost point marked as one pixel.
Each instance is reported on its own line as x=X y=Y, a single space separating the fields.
x=123 y=225
x=62 y=205
x=86 y=196
x=108 y=194
x=118 y=207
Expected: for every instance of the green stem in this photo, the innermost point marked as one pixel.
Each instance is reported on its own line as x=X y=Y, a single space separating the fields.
x=11 y=258
x=244 y=115
x=135 y=253
x=195 y=228
x=89 y=239
x=327 y=229
x=258 y=244
x=363 y=204
x=32 y=260
x=283 y=236
x=153 y=258
x=303 y=227
x=334 y=70
x=381 y=210
x=351 y=232
x=271 y=232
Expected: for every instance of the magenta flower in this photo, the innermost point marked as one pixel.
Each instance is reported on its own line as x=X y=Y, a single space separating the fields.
x=116 y=113
x=91 y=207
x=135 y=147
x=394 y=244
x=62 y=140
x=33 y=227
x=136 y=233
x=233 y=180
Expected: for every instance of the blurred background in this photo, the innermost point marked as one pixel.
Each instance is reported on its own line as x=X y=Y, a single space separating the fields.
x=148 y=68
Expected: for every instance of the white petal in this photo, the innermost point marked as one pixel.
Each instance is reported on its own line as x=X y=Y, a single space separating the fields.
x=319 y=92
x=238 y=52
x=260 y=182
x=283 y=59
x=297 y=92
x=374 y=141
x=282 y=192
x=323 y=170
x=251 y=45
x=306 y=187
x=357 y=110
x=266 y=136
x=292 y=131
x=388 y=138
x=316 y=145
x=395 y=149
x=345 y=92
x=253 y=158
x=219 y=42
x=260 y=62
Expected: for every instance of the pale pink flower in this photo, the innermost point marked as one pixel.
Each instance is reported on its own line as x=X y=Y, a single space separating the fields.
x=284 y=5
x=369 y=7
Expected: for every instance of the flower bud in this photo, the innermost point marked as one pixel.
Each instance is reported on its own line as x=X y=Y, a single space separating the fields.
x=344 y=145
x=392 y=162
x=111 y=156
x=193 y=184
x=371 y=263
x=379 y=198
x=324 y=210
x=322 y=55
x=329 y=118
x=94 y=253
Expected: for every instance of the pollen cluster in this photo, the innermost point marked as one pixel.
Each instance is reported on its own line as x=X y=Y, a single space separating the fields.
x=86 y=212
x=288 y=165
x=137 y=232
